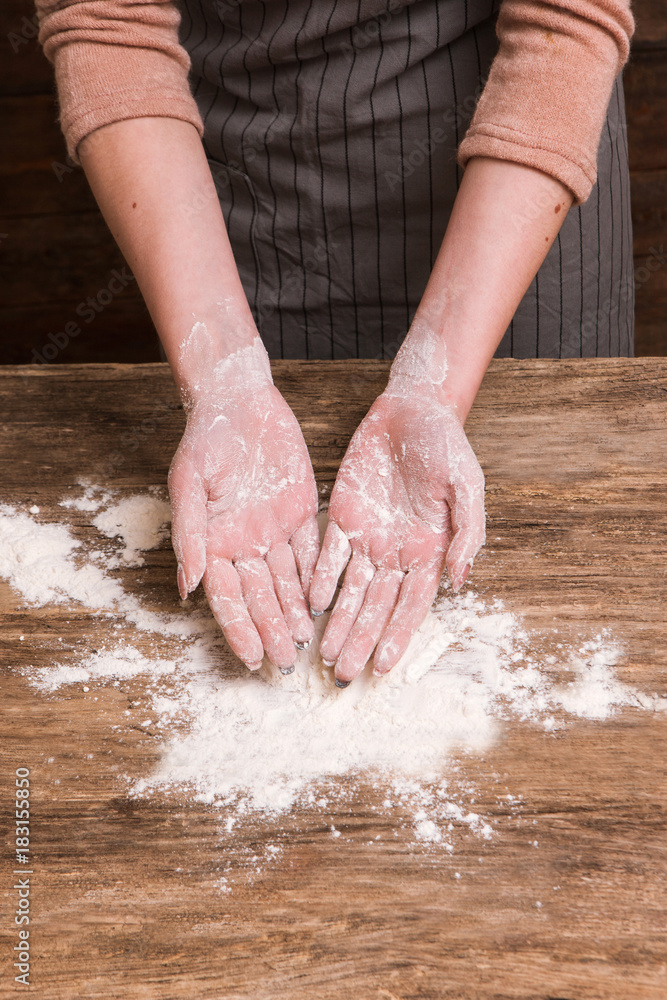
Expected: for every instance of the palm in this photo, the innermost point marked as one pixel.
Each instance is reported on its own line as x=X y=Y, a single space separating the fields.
x=408 y=500
x=245 y=505
x=258 y=479
x=386 y=496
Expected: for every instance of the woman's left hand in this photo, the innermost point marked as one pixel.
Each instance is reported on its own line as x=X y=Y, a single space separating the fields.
x=408 y=502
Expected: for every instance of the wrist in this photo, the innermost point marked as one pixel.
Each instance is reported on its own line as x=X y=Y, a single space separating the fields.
x=423 y=367
x=209 y=369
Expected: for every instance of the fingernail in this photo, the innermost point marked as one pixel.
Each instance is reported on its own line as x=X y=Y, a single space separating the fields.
x=303 y=645
x=341 y=684
x=463 y=577
x=182 y=585
x=254 y=666
x=316 y=614
x=287 y=670
x=328 y=663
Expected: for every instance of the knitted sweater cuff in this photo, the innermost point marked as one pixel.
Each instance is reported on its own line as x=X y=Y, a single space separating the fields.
x=546 y=98
x=100 y=84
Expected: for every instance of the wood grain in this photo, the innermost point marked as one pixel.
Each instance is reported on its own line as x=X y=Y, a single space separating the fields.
x=37 y=178
x=126 y=901
x=649 y=210
x=651 y=300
x=23 y=66
x=123 y=328
x=650 y=24
x=645 y=83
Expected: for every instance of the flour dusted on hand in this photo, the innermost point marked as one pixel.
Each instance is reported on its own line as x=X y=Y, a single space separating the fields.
x=421 y=358
x=247 y=368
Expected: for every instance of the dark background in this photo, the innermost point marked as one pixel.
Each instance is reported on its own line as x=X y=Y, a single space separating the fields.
x=56 y=252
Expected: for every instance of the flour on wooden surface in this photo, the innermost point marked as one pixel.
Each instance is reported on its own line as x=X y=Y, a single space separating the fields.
x=48 y=566
x=92 y=498
x=141 y=522
x=265 y=742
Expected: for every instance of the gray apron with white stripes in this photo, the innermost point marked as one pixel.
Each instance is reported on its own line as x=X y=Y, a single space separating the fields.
x=331 y=129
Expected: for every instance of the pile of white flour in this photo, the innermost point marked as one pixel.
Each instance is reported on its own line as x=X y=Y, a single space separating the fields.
x=140 y=521
x=265 y=742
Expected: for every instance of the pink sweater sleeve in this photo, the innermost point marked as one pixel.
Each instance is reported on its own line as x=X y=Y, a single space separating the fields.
x=115 y=59
x=546 y=97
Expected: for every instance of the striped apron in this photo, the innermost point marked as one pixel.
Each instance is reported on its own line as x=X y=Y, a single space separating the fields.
x=331 y=130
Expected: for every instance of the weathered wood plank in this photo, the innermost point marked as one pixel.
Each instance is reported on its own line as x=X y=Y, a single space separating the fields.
x=651 y=302
x=651 y=24
x=23 y=67
x=125 y=896
x=649 y=210
x=123 y=331
x=76 y=257
x=645 y=82
x=36 y=175
x=650 y=340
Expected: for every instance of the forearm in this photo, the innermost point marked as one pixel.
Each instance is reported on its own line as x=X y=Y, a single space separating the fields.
x=505 y=218
x=153 y=184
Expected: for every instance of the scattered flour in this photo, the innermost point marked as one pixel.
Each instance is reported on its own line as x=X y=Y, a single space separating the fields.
x=39 y=560
x=141 y=521
x=123 y=663
x=266 y=742
x=92 y=498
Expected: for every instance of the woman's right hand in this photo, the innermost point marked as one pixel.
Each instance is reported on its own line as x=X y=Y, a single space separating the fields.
x=243 y=493
x=244 y=510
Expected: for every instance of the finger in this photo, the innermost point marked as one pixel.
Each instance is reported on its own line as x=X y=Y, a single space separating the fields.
x=188 y=523
x=305 y=544
x=263 y=608
x=349 y=602
x=280 y=560
x=378 y=605
x=468 y=525
x=223 y=589
x=335 y=552
x=417 y=594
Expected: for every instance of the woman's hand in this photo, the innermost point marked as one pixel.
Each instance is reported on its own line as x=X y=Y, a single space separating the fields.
x=408 y=501
x=244 y=505
x=242 y=487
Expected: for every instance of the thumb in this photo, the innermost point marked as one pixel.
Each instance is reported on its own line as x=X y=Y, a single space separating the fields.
x=468 y=526
x=188 y=522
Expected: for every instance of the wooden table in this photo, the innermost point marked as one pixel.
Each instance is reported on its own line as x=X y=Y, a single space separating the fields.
x=125 y=901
